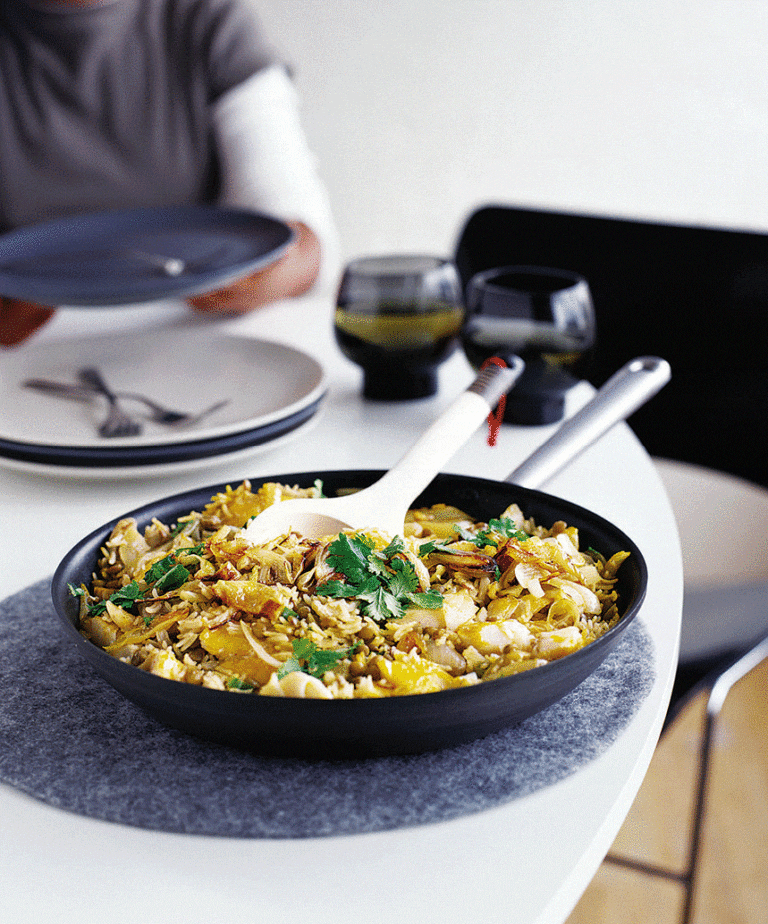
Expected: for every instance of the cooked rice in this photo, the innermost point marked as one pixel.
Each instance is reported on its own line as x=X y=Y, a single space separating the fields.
x=195 y=601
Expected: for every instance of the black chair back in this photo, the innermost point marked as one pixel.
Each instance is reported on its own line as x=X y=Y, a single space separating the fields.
x=696 y=296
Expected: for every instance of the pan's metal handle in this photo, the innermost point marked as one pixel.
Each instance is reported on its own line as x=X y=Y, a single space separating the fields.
x=626 y=390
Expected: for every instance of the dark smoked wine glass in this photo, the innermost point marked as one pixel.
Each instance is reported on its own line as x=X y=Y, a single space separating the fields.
x=543 y=315
x=399 y=317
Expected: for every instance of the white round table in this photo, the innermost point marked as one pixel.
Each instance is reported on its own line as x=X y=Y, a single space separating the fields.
x=526 y=861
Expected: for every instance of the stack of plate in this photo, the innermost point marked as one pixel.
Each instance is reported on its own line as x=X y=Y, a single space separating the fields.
x=132 y=256
x=272 y=394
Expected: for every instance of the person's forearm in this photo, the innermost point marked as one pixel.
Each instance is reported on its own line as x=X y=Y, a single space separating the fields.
x=292 y=275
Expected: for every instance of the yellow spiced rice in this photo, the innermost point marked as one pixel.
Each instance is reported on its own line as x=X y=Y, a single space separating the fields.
x=451 y=603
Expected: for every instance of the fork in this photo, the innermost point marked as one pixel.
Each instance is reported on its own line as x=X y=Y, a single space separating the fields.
x=164 y=415
x=117 y=422
x=157 y=413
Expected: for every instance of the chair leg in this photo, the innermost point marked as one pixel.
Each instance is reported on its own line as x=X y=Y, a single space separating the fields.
x=686 y=878
x=690 y=875
x=718 y=692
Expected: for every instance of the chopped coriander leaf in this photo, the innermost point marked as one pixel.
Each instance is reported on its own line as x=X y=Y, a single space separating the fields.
x=168 y=573
x=302 y=648
x=426 y=548
x=309 y=658
x=127 y=596
x=507 y=528
x=181 y=525
x=377 y=565
x=192 y=550
x=288 y=667
x=404 y=580
x=383 y=582
x=340 y=589
x=159 y=568
x=172 y=579
x=287 y=612
x=350 y=556
x=235 y=683
x=395 y=546
x=503 y=527
x=381 y=605
x=431 y=600
x=322 y=660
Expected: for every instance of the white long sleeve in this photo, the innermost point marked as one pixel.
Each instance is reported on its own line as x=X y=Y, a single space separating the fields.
x=267 y=164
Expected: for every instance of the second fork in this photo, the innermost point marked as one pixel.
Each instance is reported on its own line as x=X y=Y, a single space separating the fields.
x=117 y=422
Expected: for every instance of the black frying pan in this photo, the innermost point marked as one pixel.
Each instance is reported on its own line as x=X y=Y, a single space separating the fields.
x=403 y=724
x=366 y=727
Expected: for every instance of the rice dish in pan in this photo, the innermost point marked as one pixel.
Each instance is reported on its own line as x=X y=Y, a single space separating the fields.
x=451 y=603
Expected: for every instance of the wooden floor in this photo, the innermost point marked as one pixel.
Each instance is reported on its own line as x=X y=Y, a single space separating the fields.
x=733 y=882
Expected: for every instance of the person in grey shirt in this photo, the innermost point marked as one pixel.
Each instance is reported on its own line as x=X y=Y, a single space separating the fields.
x=131 y=103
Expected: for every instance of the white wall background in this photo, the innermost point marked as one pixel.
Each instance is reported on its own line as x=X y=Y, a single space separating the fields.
x=420 y=110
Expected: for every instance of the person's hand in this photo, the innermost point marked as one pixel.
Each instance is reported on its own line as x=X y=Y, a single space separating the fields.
x=292 y=275
x=18 y=320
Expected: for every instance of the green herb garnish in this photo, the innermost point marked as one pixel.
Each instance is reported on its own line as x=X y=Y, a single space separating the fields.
x=165 y=575
x=160 y=569
x=503 y=528
x=172 y=579
x=127 y=597
x=311 y=659
x=235 y=683
x=384 y=583
x=192 y=550
x=426 y=548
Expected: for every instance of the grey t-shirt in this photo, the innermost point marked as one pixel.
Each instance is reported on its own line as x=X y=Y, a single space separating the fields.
x=108 y=106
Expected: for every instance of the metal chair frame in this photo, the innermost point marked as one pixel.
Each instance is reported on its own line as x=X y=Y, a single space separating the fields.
x=719 y=684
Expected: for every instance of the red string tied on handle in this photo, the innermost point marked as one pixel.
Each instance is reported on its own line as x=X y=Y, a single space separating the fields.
x=496 y=417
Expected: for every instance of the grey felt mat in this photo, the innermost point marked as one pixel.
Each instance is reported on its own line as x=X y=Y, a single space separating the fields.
x=68 y=739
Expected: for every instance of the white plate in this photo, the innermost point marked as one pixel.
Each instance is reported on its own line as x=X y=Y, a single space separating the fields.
x=262 y=382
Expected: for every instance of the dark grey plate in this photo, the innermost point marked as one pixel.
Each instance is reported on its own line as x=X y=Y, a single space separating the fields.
x=98 y=259
x=365 y=727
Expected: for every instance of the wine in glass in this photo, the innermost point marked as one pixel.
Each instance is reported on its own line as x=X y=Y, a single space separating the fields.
x=399 y=317
x=543 y=315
